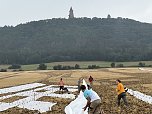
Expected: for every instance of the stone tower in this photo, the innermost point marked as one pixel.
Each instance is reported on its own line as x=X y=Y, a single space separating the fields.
x=71 y=14
x=109 y=16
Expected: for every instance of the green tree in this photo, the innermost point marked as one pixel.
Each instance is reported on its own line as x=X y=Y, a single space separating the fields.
x=120 y=65
x=42 y=66
x=77 y=66
x=57 y=67
x=141 y=64
x=93 y=67
x=15 y=66
x=3 y=70
x=113 y=65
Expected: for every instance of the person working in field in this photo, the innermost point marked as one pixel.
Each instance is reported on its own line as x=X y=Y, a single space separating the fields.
x=79 y=83
x=61 y=84
x=93 y=100
x=91 y=80
x=121 y=92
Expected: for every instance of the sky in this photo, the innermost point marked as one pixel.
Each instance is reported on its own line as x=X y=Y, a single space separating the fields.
x=14 y=12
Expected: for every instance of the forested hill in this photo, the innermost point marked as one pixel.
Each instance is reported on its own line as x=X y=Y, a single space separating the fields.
x=76 y=39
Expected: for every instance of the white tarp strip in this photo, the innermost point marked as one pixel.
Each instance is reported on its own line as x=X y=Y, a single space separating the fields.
x=20 y=88
x=141 y=96
x=84 y=83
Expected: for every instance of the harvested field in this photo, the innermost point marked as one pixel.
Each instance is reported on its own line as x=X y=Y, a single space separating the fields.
x=110 y=107
x=125 y=70
x=104 y=85
x=16 y=78
x=59 y=107
x=17 y=110
x=148 y=86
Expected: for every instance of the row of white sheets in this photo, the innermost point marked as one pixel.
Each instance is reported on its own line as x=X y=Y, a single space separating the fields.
x=30 y=102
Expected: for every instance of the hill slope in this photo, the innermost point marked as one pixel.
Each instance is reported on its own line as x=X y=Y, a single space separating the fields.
x=76 y=39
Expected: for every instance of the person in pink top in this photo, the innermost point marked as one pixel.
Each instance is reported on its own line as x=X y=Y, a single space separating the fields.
x=61 y=84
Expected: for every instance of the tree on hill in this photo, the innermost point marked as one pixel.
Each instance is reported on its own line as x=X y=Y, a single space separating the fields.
x=42 y=66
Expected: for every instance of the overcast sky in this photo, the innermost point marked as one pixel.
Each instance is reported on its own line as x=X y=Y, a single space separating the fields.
x=13 y=12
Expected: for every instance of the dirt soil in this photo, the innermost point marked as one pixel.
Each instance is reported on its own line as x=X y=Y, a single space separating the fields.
x=12 y=99
x=59 y=107
x=104 y=85
x=109 y=104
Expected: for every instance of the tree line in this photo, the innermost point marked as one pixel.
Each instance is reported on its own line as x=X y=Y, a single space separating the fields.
x=43 y=66
x=79 y=39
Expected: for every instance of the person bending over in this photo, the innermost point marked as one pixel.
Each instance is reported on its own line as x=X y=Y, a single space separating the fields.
x=93 y=100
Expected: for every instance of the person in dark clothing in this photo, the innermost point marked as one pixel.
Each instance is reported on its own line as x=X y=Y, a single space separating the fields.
x=79 y=83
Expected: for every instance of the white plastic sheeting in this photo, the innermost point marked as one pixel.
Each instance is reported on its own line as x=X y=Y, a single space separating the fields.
x=30 y=102
x=20 y=88
x=76 y=106
x=84 y=83
x=141 y=96
x=38 y=105
x=145 y=69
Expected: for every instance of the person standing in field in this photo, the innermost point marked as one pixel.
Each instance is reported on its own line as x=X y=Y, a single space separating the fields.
x=121 y=92
x=93 y=100
x=61 y=84
x=91 y=80
x=79 y=83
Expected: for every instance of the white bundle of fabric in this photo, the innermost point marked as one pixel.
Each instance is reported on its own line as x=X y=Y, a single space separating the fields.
x=76 y=106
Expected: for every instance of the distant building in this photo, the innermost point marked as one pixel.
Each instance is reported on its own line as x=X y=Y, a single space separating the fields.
x=120 y=18
x=108 y=16
x=71 y=14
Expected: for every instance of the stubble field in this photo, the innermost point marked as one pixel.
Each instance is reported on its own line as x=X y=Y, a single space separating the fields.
x=104 y=85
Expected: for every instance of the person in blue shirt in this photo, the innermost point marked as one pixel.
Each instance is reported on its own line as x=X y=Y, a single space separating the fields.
x=93 y=100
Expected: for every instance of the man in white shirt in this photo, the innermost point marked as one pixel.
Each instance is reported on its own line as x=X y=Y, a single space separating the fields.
x=93 y=100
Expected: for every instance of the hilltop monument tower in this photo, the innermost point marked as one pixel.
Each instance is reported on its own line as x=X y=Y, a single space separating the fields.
x=109 y=16
x=71 y=14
